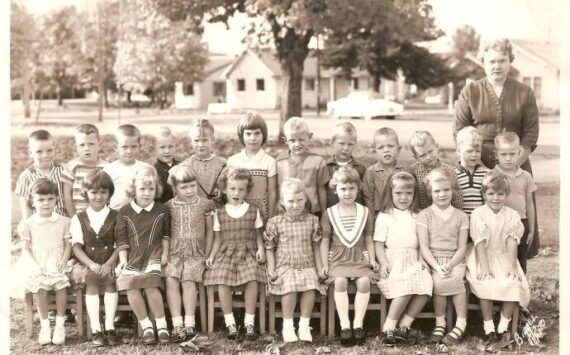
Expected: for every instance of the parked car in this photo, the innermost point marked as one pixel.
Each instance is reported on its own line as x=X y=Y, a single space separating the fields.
x=365 y=104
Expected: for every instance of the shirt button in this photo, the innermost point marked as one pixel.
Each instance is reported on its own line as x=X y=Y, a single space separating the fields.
x=105 y=247
x=92 y=248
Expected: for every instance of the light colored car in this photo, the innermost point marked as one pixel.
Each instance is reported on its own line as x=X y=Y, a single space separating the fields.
x=365 y=104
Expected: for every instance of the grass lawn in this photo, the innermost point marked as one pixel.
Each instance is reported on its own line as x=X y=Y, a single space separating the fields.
x=543 y=276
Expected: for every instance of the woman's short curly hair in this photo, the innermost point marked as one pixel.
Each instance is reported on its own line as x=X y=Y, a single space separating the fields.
x=502 y=45
x=344 y=175
x=97 y=179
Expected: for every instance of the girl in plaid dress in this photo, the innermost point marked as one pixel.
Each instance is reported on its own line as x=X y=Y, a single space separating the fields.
x=404 y=276
x=237 y=250
x=347 y=252
x=292 y=242
x=191 y=240
x=442 y=230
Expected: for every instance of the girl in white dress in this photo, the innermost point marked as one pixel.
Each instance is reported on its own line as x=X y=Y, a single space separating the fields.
x=404 y=276
x=493 y=271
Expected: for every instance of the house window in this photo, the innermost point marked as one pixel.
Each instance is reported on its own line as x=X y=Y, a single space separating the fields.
x=310 y=84
x=260 y=84
x=537 y=87
x=219 y=88
x=355 y=83
x=527 y=81
x=189 y=89
x=241 y=84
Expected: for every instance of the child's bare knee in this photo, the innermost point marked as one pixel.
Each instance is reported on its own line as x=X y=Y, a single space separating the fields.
x=340 y=284
x=363 y=284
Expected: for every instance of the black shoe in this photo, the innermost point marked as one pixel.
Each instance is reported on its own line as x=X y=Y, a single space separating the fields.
x=250 y=332
x=490 y=338
x=113 y=338
x=148 y=337
x=191 y=332
x=505 y=340
x=389 y=339
x=98 y=339
x=359 y=336
x=232 y=332
x=178 y=334
x=346 y=337
x=163 y=336
x=405 y=335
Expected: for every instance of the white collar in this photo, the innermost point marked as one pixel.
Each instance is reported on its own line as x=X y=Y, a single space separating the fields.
x=448 y=210
x=244 y=206
x=103 y=212
x=254 y=157
x=41 y=220
x=399 y=212
x=138 y=209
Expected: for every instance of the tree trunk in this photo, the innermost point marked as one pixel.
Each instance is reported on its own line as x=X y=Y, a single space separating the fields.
x=39 y=106
x=59 y=93
x=101 y=88
x=26 y=99
x=376 y=83
x=105 y=95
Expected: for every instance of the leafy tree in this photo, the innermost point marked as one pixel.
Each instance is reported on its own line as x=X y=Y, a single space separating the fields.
x=381 y=41
x=61 y=49
x=23 y=53
x=153 y=52
x=465 y=40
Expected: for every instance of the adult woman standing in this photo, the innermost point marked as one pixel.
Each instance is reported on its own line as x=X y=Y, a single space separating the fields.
x=498 y=103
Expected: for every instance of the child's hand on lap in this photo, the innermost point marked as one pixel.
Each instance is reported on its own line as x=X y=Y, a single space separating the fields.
x=209 y=262
x=512 y=274
x=375 y=265
x=120 y=267
x=164 y=259
x=271 y=274
x=61 y=265
x=106 y=270
x=324 y=272
x=484 y=273
x=260 y=256
x=384 y=270
x=96 y=268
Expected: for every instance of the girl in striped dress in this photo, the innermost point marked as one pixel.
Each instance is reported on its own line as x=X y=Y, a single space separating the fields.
x=252 y=133
x=404 y=275
x=347 y=252
x=442 y=230
x=237 y=250
x=292 y=242
x=142 y=233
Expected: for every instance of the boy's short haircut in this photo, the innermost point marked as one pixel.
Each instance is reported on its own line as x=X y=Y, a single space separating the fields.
x=294 y=125
x=235 y=174
x=345 y=175
x=42 y=186
x=252 y=121
x=507 y=138
x=87 y=129
x=128 y=130
x=468 y=136
x=420 y=139
x=147 y=175
x=346 y=128
x=97 y=179
x=180 y=174
x=292 y=185
x=437 y=175
x=163 y=132
x=201 y=125
x=496 y=181
x=385 y=131
x=40 y=135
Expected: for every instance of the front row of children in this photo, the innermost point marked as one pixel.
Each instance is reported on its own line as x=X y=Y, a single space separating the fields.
x=409 y=237
x=399 y=254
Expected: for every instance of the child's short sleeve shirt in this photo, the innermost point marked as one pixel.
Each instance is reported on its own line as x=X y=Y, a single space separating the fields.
x=521 y=184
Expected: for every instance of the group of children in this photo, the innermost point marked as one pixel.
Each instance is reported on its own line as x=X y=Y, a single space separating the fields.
x=295 y=224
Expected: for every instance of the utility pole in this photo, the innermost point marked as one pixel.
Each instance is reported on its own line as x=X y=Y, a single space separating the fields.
x=318 y=83
x=120 y=38
x=100 y=65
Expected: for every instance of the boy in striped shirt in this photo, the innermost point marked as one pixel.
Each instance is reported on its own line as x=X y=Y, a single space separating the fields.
x=470 y=171
x=87 y=146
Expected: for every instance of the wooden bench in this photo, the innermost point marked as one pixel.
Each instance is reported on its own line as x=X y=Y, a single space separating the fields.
x=74 y=301
x=320 y=312
x=212 y=305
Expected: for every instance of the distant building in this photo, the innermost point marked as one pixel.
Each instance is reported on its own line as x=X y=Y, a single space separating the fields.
x=253 y=80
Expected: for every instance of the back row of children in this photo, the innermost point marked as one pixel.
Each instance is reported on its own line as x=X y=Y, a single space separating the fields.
x=205 y=220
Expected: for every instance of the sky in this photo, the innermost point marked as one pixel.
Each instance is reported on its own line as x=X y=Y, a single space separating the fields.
x=524 y=19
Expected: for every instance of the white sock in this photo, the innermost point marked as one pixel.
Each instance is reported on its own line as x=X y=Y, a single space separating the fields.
x=249 y=319
x=177 y=321
x=360 y=304
x=160 y=323
x=461 y=323
x=146 y=323
x=304 y=322
x=488 y=326
x=60 y=321
x=503 y=324
x=189 y=321
x=288 y=323
x=45 y=323
x=440 y=321
x=389 y=324
x=229 y=319
x=406 y=321
x=111 y=300
x=341 y=300
x=92 y=305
